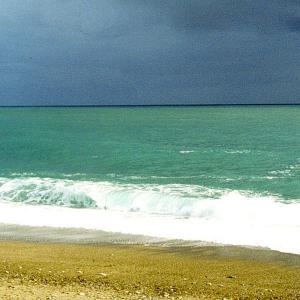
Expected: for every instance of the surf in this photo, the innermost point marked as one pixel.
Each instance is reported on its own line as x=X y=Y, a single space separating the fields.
x=173 y=211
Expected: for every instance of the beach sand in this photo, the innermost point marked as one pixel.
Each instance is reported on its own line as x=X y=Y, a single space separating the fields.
x=39 y=270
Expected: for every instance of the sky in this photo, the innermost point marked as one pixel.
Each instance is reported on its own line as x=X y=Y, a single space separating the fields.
x=107 y=52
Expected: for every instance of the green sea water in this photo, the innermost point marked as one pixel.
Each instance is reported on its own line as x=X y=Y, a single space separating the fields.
x=226 y=174
x=245 y=148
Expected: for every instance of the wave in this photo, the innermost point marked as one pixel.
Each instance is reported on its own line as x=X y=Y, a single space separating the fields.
x=186 y=151
x=237 y=151
x=44 y=191
x=288 y=171
x=172 y=211
x=170 y=199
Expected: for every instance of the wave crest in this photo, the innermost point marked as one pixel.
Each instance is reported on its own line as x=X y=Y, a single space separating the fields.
x=43 y=191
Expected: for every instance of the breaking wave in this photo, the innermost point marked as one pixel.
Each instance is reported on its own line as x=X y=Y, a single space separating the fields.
x=173 y=211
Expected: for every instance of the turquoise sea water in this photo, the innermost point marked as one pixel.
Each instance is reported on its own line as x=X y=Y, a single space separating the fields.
x=244 y=148
x=154 y=160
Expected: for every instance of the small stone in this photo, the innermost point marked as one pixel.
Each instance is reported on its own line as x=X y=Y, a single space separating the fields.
x=221 y=285
x=103 y=274
x=79 y=271
x=231 y=276
x=81 y=294
x=209 y=283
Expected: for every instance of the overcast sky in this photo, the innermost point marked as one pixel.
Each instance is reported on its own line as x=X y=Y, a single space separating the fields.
x=149 y=52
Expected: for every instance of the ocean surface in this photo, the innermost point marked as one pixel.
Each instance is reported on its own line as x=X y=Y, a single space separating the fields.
x=228 y=175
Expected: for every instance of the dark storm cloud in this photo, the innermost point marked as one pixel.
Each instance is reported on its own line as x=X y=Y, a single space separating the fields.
x=258 y=16
x=293 y=24
x=149 y=52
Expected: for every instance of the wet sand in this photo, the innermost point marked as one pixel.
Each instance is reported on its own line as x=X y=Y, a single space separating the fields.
x=106 y=270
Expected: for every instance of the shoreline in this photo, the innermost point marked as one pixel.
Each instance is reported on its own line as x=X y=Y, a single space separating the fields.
x=81 y=236
x=116 y=268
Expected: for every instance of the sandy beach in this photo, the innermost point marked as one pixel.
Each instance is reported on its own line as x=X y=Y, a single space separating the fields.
x=110 y=270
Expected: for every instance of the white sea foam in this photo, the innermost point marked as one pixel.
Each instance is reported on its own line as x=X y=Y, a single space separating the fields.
x=186 y=151
x=237 y=151
x=170 y=211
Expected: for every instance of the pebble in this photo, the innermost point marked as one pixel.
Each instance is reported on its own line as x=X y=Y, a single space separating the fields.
x=103 y=274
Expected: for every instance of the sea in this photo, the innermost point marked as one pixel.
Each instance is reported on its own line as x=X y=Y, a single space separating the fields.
x=218 y=174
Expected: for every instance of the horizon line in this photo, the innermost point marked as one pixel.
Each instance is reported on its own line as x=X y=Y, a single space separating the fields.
x=149 y=105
